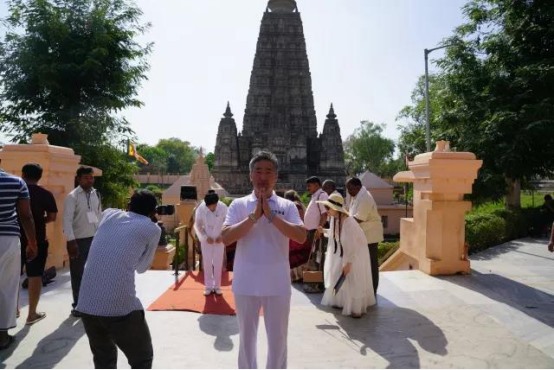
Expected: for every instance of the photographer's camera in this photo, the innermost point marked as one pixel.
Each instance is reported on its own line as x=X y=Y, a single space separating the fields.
x=165 y=210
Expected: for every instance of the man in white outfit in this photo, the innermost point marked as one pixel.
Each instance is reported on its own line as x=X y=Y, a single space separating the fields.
x=262 y=224
x=363 y=208
x=208 y=222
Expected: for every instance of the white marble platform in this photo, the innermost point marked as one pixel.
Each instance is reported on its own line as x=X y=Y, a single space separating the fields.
x=500 y=316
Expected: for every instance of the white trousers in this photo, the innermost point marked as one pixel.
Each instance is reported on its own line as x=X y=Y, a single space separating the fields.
x=212 y=264
x=276 y=317
x=10 y=267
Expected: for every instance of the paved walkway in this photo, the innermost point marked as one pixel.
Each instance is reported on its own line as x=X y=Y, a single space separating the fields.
x=500 y=316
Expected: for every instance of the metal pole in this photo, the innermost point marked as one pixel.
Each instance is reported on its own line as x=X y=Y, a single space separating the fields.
x=427 y=125
x=176 y=256
x=426 y=53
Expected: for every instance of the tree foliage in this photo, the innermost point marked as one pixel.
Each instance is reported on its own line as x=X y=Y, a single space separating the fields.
x=171 y=155
x=210 y=160
x=181 y=155
x=367 y=149
x=156 y=157
x=67 y=67
x=412 y=140
x=496 y=96
x=117 y=177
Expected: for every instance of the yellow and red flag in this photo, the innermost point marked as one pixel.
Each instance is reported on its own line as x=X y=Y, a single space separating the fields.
x=132 y=151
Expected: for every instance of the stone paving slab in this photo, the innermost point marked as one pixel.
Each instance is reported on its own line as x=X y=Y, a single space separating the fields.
x=500 y=316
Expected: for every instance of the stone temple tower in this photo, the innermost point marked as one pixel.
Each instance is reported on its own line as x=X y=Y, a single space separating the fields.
x=279 y=115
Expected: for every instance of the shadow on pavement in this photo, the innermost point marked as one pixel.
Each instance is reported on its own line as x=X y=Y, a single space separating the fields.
x=389 y=330
x=19 y=337
x=55 y=346
x=54 y=286
x=530 y=301
x=222 y=328
x=499 y=250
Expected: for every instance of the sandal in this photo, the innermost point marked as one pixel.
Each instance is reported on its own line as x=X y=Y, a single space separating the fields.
x=11 y=339
x=40 y=316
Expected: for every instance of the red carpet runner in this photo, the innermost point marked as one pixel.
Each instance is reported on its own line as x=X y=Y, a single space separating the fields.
x=187 y=295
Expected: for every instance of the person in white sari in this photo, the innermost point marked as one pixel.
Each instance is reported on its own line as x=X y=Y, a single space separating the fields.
x=346 y=254
x=208 y=222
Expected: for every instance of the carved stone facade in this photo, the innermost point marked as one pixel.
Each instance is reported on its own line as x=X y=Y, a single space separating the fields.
x=279 y=115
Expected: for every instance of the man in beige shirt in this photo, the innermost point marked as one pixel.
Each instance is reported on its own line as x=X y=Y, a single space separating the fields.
x=364 y=210
x=81 y=216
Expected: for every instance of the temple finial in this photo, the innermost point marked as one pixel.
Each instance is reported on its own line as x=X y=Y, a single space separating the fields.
x=228 y=113
x=331 y=114
x=282 y=6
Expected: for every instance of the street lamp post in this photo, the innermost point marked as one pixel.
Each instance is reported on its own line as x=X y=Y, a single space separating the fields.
x=426 y=53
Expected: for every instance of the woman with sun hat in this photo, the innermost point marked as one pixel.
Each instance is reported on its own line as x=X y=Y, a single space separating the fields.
x=347 y=254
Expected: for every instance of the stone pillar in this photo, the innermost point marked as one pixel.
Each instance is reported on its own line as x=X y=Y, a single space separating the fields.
x=433 y=241
x=59 y=166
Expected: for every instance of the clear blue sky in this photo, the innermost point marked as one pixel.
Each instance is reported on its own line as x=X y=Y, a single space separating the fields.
x=365 y=58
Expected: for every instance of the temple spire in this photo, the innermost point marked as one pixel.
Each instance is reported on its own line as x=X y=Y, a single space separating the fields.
x=279 y=115
x=331 y=114
x=228 y=113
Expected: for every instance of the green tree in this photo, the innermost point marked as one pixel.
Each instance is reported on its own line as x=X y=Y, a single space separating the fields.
x=117 y=179
x=496 y=95
x=412 y=140
x=67 y=68
x=367 y=149
x=500 y=78
x=180 y=154
x=156 y=157
x=210 y=160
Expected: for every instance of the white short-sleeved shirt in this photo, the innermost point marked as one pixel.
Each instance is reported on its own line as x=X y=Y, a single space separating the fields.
x=208 y=224
x=364 y=208
x=261 y=266
x=313 y=213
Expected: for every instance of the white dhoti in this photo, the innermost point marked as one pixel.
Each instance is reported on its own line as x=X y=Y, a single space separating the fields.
x=10 y=268
x=276 y=317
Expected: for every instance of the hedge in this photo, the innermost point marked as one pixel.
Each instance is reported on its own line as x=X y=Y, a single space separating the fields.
x=488 y=228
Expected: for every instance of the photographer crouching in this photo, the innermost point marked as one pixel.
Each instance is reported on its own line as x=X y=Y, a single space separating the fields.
x=112 y=314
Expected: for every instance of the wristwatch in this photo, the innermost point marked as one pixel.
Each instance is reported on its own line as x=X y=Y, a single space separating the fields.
x=252 y=216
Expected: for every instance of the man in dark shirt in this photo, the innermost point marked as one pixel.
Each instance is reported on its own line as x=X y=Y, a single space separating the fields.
x=43 y=207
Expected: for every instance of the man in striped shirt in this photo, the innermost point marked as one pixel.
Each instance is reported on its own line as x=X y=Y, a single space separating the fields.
x=112 y=314
x=14 y=200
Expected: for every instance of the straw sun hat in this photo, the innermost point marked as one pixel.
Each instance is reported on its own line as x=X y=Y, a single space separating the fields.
x=336 y=202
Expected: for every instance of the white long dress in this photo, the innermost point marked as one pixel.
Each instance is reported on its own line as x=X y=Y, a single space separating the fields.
x=356 y=293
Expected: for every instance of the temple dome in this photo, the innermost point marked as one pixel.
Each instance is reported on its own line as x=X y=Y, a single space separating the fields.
x=282 y=6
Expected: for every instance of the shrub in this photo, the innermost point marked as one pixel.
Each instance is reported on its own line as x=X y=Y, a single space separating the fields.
x=516 y=223
x=384 y=250
x=484 y=230
x=227 y=200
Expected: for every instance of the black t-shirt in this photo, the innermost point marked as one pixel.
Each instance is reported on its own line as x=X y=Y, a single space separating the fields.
x=42 y=202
